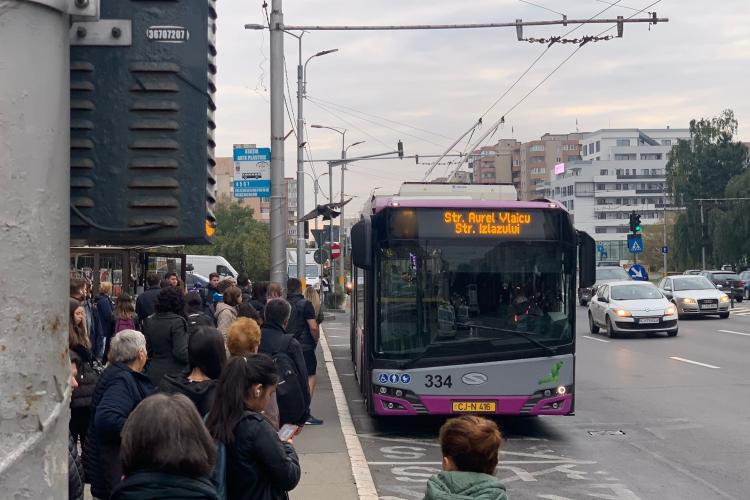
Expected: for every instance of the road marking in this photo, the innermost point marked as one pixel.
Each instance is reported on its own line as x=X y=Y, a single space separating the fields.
x=694 y=362
x=360 y=469
x=338 y=345
x=594 y=338
x=736 y=333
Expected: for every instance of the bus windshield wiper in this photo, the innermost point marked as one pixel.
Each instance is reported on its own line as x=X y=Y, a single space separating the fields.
x=413 y=361
x=523 y=335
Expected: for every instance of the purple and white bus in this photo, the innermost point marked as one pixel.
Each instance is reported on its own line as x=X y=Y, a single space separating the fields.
x=464 y=301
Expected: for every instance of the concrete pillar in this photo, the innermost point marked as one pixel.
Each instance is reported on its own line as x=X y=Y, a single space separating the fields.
x=34 y=240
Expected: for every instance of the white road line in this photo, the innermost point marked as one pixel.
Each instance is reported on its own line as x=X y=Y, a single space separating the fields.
x=736 y=333
x=594 y=338
x=339 y=345
x=694 y=362
x=360 y=469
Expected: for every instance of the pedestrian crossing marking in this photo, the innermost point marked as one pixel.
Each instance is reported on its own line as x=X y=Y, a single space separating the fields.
x=740 y=311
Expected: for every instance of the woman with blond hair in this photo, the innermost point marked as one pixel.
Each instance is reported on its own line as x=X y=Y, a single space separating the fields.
x=314 y=298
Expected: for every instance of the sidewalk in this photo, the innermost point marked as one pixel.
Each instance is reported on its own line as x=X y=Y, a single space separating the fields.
x=327 y=452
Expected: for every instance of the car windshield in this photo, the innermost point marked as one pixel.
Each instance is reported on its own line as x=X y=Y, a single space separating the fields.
x=697 y=283
x=612 y=274
x=726 y=276
x=635 y=292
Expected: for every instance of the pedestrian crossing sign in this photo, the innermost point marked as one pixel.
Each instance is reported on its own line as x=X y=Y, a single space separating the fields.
x=635 y=243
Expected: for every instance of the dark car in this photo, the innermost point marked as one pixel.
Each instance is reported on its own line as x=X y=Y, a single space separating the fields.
x=604 y=274
x=728 y=282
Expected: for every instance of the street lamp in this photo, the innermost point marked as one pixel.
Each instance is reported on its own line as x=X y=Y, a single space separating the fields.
x=344 y=149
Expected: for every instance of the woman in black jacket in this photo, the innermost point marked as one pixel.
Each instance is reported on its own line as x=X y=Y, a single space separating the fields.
x=259 y=466
x=86 y=375
x=121 y=387
x=166 y=333
x=167 y=454
x=207 y=356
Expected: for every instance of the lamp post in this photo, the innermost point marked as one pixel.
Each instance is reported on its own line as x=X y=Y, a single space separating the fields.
x=301 y=91
x=344 y=149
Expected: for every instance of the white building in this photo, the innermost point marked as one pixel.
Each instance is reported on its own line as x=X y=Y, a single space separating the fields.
x=623 y=170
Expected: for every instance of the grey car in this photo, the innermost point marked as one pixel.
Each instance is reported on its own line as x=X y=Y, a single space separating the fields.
x=695 y=296
x=627 y=307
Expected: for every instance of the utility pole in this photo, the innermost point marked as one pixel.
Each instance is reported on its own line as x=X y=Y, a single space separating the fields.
x=35 y=228
x=301 y=252
x=703 y=238
x=342 y=255
x=334 y=290
x=278 y=211
x=664 y=254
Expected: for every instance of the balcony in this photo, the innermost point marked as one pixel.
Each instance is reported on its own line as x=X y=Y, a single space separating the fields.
x=649 y=191
x=641 y=176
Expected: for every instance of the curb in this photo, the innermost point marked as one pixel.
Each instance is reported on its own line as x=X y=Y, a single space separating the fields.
x=360 y=469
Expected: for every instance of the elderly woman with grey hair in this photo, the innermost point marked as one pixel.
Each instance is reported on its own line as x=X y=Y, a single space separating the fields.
x=121 y=387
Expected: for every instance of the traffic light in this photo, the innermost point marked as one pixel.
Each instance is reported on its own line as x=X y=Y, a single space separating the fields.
x=400 y=150
x=635 y=223
x=142 y=82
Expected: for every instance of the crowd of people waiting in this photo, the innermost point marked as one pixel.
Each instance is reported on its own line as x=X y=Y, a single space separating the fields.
x=190 y=395
x=200 y=395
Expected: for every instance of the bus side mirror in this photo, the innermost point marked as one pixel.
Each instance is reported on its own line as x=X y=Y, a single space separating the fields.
x=361 y=235
x=586 y=260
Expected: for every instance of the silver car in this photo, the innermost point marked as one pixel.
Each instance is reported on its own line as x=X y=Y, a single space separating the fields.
x=695 y=296
x=627 y=307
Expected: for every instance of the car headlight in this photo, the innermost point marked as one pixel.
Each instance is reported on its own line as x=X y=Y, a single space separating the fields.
x=670 y=310
x=687 y=300
x=724 y=298
x=623 y=313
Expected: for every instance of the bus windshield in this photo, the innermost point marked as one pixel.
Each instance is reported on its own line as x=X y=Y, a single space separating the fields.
x=462 y=297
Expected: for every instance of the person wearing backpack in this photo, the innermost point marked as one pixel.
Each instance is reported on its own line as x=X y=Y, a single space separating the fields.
x=253 y=461
x=124 y=314
x=196 y=317
x=293 y=394
x=303 y=325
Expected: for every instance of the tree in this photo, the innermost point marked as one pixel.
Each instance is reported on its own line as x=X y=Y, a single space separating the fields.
x=700 y=168
x=653 y=240
x=242 y=240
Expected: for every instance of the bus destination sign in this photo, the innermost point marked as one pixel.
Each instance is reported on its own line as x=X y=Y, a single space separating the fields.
x=487 y=222
x=480 y=223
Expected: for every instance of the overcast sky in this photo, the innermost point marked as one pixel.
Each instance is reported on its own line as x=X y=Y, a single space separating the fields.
x=428 y=87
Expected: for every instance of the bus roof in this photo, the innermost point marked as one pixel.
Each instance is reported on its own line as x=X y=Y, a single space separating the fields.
x=379 y=203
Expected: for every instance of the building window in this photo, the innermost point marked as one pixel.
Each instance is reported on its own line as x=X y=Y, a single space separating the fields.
x=623 y=142
x=516 y=163
x=604 y=172
x=666 y=142
x=537 y=147
x=572 y=205
x=618 y=187
x=601 y=187
x=626 y=157
x=536 y=159
x=598 y=146
x=600 y=230
x=651 y=156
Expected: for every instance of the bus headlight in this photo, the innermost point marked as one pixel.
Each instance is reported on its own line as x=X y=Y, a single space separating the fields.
x=561 y=390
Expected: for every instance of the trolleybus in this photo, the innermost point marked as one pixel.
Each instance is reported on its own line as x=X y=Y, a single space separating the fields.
x=464 y=301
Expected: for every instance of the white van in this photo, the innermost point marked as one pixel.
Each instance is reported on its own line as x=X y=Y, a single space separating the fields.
x=207 y=264
x=312 y=270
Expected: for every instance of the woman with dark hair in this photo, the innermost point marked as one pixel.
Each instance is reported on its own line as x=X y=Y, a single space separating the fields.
x=166 y=333
x=196 y=318
x=470 y=446
x=87 y=372
x=166 y=452
x=246 y=310
x=226 y=312
x=259 y=297
x=124 y=314
x=207 y=357
x=259 y=465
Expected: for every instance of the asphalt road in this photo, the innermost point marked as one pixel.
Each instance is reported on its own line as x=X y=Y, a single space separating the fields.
x=647 y=426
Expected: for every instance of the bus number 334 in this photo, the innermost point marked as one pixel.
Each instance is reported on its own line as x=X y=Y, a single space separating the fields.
x=437 y=381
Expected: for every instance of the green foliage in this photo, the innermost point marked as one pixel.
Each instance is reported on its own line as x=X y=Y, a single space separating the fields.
x=653 y=240
x=242 y=240
x=710 y=165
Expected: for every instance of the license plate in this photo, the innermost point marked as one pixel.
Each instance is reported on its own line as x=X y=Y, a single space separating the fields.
x=474 y=406
x=709 y=306
x=649 y=321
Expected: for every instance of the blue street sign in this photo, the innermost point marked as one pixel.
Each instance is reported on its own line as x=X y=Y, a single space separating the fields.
x=252 y=189
x=665 y=249
x=635 y=243
x=638 y=272
x=251 y=154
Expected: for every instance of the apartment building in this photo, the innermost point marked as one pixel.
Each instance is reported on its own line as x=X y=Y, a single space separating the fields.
x=622 y=170
x=493 y=164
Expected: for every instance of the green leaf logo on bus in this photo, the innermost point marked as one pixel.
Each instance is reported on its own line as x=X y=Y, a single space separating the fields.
x=554 y=374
